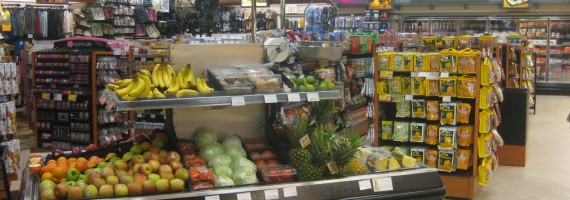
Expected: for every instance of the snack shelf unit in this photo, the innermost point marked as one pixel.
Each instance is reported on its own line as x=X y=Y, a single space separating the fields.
x=249 y=121
x=461 y=183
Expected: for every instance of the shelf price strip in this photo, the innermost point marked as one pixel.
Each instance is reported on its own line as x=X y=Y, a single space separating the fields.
x=271 y=194
x=382 y=184
x=270 y=98
x=215 y=197
x=364 y=185
x=290 y=192
x=312 y=96
x=293 y=97
x=244 y=196
x=238 y=101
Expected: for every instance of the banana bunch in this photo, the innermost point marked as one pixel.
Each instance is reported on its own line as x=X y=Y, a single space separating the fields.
x=136 y=88
x=186 y=78
x=202 y=86
x=162 y=75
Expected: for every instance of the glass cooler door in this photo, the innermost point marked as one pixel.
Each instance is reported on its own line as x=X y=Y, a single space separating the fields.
x=559 y=56
x=503 y=25
x=416 y=26
x=472 y=26
x=444 y=27
x=535 y=31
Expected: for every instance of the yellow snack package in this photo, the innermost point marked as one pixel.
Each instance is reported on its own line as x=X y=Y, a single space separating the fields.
x=448 y=86
x=447 y=137
x=463 y=42
x=383 y=87
x=447 y=60
x=420 y=65
x=419 y=153
x=432 y=87
x=463 y=112
x=418 y=131
x=484 y=144
x=398 y=63
x=486 y=78
x=430 y=43
x=432 y=134
x=449 y=42
x=485 y=40
x=448 y=113
x=385 y=61
x=409 y=62
x=485 y=97
x=446 y=161
x=466 y=87
x=432 y=110
x=418 y=86
x=464 y=135
x=468 y=60
x=387 y=130
x=484 y=171
x=419 y=108
x=463 y=158
x=432 y=158
x=406 y=85
x=403 y=109
x=432 y=63
x=396 y=85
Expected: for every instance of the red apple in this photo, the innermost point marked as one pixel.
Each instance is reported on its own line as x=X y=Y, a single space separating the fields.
x=138 y=159
x=120 y=173
x=140 y=178
x=172 y=156
x=146 y=154
x=165 y=168
x=145 y=169
x=154 y=164
x=153 y=156
x=106 y=191
x=167 y=175
x=121 y=165
x=176 y=165
x=135 y=188
x=148 y=187
x=155 y=149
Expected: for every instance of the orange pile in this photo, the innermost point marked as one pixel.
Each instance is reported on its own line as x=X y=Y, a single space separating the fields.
x=56 y=170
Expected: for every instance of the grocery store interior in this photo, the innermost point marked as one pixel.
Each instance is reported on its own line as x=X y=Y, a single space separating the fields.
x=284 y=99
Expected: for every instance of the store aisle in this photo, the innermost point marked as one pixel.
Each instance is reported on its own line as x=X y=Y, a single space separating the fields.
x=546 y=173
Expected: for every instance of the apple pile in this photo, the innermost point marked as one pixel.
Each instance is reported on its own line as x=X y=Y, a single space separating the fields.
x=145 y=169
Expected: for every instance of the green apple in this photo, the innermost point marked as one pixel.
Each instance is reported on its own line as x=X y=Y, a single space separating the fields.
x=48 y=195
x=99 y=182
x=121 y=190
x=47 y=185
x=114 y=159
x=176 y=184
x=310 y=79
x=70 y=183
x=106 y=191
x=162 y=185
x=323 y=86
x=107 y=171
x=121 y=165
x=127 y=157
x=153 y=177
x=138 y=159
x=331 y=86
x=90 y=191
x=158 y=143
x=293 y=79
x=126 y=179
x=136 y=150
x=81 y=184
x=182 y=174
x=300 y=81
x=112 y=180
x=102 y=165
x=82 y=177
x=75 y=193
x=310 y=88
x=73 y=174
x=88 y=171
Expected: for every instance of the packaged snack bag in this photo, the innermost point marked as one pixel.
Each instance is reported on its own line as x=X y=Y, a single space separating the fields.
x=420 y=63
x=14 y=79
x=432 y=110
x=486 y=97
x=449 y=42
x=468 y=60
x=387 y=130
x=383 y=87
x=430 y=44
x=419 y=153
x=486 y=74
x=3 y=115
x=432 y=87
x=485 y=121
x=409 y=62
x=432 y=158
x=466 y=87
x=447 y=86
x=396 y=85
x=485 y=145
x=11 y=117
x=447 y=137
x=401 y=131
x=463 y=42
x=447 y=60
x=448 y=113
x=418 y=86
x=403 y=62
x=419 y=108
x=406 y=150
x=418 y=132
x=432 y=62
x=385 y=61
x=463 y=112
x=464 y=135
x=486 y=40
x=446 y=161
x=2 y=79
x=484 y=171
x=406 y=85
x=432 y=134
x=403 y=109
x=7 y=79
x=463 y=158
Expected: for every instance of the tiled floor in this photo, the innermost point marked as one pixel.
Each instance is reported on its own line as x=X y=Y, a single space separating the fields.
x=547 y=171
x=546 y=175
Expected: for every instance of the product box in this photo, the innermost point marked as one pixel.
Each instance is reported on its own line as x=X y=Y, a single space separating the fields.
x=7 y=79
x=14 y=70
x=3 y=114
x=11 y=117
x=2 y=79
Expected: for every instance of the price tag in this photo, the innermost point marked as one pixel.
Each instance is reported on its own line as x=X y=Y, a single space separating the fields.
x=444 y=74
x=386 y=74
x=422 y=74
x=271 y=194
x=291 y=59
x=415 y=74
x=312 y=96
x=293 y=97
x=305 y=141
x=270 y=98
x=143 y=58
x=58 y=97
x=139 y=114
x=30 y=36
x=446 y=99
x=382 y=184
x=408 y=97
x=290 y=192
x=332 y=167
x=46 y=96
x=72 y=97
x=215 y=197
x=364 y=185
x=432 y=76
x=238 y=101
x=290 y=9
x=244 y=196
x=117 y=52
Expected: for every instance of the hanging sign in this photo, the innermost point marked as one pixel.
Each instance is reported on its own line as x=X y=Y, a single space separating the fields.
x=515 y=3
x=380 y=4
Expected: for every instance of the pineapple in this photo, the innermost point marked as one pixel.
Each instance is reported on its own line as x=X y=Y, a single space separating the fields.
x=323 y=111
x=299 y=156
x=309 y=172
x=353 y=167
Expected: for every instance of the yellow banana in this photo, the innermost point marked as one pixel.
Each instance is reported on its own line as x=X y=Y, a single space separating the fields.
x=123 y=83
x=128 y=98
x=174 y=87
x=169 y=68
x=145 y=72
x=112 y=86
x=166 y=76
x=181 y=74
x=155 y=74
x=157 y=94
x=126 y=89
x=138 y=88
x=202 y=86
x=186 y=92
x=147 y=85
x=189 y=78
x=149 y=95
x=160 y=78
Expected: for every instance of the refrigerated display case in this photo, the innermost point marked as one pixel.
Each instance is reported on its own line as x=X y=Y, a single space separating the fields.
x=444 y=27
x=416 y=26
x=559 y=51
x=503 y=25
x=472 y=26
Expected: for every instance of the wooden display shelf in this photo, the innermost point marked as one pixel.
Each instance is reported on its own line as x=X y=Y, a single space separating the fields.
x=460 y=185
x=512 y=155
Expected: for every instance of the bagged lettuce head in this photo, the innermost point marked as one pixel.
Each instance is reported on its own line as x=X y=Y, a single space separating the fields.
x=241 y=164
x=223 y=180
x=235 y=151
x=205 y=136
x=231 y=141
x=245 y=176
x=211 y=150
x=220 y=160
x=223 y=170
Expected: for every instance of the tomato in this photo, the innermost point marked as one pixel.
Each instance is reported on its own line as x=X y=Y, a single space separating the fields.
x=274 y=174
x=260 y=163
x=267 y=154
x=286 y=174
x=272 y=162
x=260 y=144
x=255 y=155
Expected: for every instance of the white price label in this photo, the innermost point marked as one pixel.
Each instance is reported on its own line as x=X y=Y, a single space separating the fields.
x=364 y=185
x=117 y=52
x=139 y=115
x=58 y=97
x=271 y=194
x=215 y=197
x=382 y=184
x=238 y=101
x=270 y=98
x=446 y=99
x=422 y=74
x=244 y=196
x=143 y=58
x=152 y=116
x=291 y=59
x=290 y=9
x=415 y=74
x=444 y=74
x=408 y=97
x=293 y=97
x=30 y=36
x=290 y=192
x=312 y=96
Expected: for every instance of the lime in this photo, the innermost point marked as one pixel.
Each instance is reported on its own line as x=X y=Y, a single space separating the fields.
x=310 y=88
x=310 y=79
x=302 y=88
x=323 y=86
x=300 y=81
x=331 y=86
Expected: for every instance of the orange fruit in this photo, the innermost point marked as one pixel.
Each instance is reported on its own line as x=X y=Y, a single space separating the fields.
x=47 y=176
x=93 y=158
x=81 y=166
x=59 y=172
x=51 y=161
x=82 y=159
x=47 y=168
x=52 y=164
x=61 y=159
x=99 y=160
x=72 y=160
x=62 y=164
x=72 y=165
